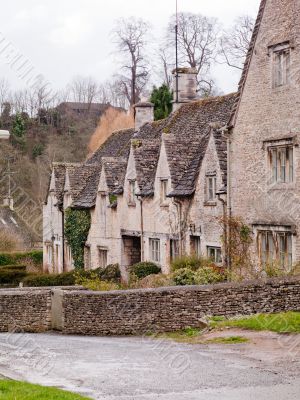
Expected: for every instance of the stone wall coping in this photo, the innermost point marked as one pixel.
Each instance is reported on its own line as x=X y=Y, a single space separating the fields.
x=198 y=288
x=43 y=289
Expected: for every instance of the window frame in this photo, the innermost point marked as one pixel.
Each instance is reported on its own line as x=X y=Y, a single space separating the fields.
x=132 y=192
x=102 y=251
x=217 y=258
x=281 y=172
x=155 y=250
x=281 y=65
x=211 y=188
x=164 y=192
x=281 y=248
x=174 y=249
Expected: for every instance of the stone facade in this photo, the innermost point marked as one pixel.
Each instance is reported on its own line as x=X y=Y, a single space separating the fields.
x=264 y=133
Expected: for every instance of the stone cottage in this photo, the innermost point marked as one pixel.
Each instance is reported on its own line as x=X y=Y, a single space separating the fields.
x=151 y=191
x=263 y=136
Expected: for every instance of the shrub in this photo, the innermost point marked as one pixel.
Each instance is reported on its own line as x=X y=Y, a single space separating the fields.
x=94 y=282
x=13 y=268
x=110 y=273
x=192 y=262
x=153 y=281
x=40 y=280
x=184 y=276
x=11 y=276
x=143 y=269
x=35 y=257
x=207 y=276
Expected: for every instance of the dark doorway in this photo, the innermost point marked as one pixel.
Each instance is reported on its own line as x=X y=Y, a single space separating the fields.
x=131 y=250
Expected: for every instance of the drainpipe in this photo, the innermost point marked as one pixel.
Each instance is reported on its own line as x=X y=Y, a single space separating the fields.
x=63 y=239
x=142 y=227
x=226 y=133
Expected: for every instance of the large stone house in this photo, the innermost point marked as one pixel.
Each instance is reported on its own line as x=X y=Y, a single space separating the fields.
x=151 y=190
x=264 y=134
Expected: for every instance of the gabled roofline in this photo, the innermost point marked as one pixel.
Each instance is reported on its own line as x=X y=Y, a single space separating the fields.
x=247 y=63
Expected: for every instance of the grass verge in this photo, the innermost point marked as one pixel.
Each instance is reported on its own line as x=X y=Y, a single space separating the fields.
x=288 y=322
x=12 y=390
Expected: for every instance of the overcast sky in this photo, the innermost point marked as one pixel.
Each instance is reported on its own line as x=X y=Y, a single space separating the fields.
x=66 y=38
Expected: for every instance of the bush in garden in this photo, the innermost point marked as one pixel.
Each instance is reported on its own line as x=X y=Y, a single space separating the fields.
x=143 y=269
x=192 y=262
x=153 y=281
x=207 y=276
x=42 y=280
x=110 y=273
x=183 y=277
x=12 y=275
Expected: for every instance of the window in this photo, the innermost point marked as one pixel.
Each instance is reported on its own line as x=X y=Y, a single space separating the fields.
x=174 y=249
x=131 y=198
x=281 y=164
x=155 y=250
x=275 y=247
x=211 y=182
x=281 y=66
x=163 y=191
x=49 y=255
x=196 y=245
x=102 y=257
x=215 y=254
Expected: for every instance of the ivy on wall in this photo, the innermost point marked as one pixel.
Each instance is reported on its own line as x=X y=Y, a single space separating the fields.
x=77 y=226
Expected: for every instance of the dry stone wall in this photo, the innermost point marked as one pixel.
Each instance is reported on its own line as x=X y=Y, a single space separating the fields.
x=169 y=309
x=25 y=310
x=140 y=311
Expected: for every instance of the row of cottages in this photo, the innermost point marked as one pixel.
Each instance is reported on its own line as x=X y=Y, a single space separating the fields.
x=153 y=191
x=158 y=191
x=264 y=136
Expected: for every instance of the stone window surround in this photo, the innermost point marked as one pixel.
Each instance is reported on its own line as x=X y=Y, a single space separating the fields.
x=131 y=196
x=210 y=202
x=164 y=201
x=273 y=50
x=268 y=144
x=276 y=230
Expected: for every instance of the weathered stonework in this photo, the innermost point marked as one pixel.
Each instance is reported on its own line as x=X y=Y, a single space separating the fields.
x=170 y=309
x=25 y=310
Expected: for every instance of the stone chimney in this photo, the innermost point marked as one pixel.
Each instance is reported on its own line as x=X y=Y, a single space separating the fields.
x=187 y=86
x=143 y=113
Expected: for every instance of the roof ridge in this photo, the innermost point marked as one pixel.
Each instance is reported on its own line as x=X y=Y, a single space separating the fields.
x=247 y=63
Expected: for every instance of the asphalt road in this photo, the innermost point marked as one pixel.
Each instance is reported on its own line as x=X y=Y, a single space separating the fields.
x=145 y=369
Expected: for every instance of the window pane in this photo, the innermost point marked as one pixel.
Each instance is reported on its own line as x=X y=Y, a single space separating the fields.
x=274 y=165
x=289 y=251
x=291 y=164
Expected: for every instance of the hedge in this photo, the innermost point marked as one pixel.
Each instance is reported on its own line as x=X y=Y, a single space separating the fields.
x=12 y=276
x=35 y=256
x=40 y=280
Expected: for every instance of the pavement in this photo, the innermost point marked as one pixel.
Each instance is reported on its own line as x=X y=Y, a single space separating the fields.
x=133 y=368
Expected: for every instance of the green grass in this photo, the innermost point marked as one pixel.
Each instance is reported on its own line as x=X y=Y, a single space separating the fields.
x=227 y=340
x=281 y=323
x=12 y=390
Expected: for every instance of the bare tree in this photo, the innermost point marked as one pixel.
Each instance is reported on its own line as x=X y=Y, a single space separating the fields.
x=235 y=42
x=197 y=44
x=130 y=37
x=84 y=90
x=4 y=93
x=166 y=65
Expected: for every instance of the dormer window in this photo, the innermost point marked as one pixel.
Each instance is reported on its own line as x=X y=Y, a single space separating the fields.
x=211 y=188
x=131 y=192
x=281 y=64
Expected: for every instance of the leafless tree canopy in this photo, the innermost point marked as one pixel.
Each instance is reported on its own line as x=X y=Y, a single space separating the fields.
x=130 y=37
x=197 y=44
x=235 y=42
